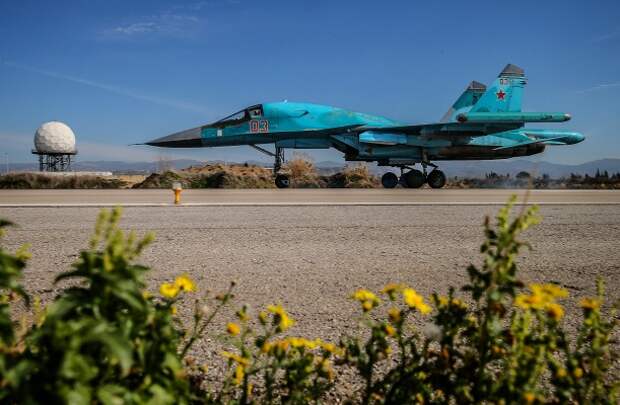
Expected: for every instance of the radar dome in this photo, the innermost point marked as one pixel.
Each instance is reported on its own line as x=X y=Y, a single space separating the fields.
x=54 y=137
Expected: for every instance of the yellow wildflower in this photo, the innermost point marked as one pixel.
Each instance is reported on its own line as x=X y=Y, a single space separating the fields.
x=552 y=291
x=367 y=298
x=415 y=300
x=529 y=397
x=328 y=347
x=281 y=317
x=173 y=310
x=391 y=290
x=442 y=301
x=282 y=344
x=394 y=314
x=364 y=295
x=236 y=358
x=239 y=374
x=262 y=317
x=326 y=368
x=168 y=290
x=233 y=329
x=590 y=303
x=389 y=329
x=561 y=373
x=185 y=283
x=458 y=303
x=578 y=372
x=146 y=294
x=301 y=342
x=533 y=301
x=555 y=311
x=266 y=347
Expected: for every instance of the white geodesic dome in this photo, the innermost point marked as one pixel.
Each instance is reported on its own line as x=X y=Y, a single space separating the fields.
x=54 y=137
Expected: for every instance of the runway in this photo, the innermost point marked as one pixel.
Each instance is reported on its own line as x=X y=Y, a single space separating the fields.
x=300 y=197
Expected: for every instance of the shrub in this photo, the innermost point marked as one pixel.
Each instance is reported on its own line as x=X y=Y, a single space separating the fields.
x=107 y=340
x=57 y=181
x=103 y=339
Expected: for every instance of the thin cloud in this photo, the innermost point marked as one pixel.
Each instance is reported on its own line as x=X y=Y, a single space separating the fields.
x=603 y=86
x=168 y=24
x=181 y=105
x=605 y=37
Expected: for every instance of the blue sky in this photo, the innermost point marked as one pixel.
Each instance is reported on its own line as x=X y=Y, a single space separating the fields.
x=120 y=72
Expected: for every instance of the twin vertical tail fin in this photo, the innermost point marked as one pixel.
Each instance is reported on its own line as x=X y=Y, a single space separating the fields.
x=505 y=94
x=470 y=96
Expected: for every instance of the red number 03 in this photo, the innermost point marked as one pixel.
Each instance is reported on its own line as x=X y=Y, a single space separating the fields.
x=257 y=126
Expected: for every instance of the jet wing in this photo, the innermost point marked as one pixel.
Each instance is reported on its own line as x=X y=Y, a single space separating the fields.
x=449 y=128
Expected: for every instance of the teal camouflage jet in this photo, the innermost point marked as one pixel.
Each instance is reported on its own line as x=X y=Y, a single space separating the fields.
x=483 y=123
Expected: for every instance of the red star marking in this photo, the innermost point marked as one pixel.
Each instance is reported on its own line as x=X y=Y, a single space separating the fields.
x=500 y=94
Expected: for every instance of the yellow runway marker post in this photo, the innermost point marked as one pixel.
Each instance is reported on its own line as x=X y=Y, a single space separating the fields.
x=176 y=187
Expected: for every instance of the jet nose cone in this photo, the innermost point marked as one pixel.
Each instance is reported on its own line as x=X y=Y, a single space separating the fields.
x=185 y=139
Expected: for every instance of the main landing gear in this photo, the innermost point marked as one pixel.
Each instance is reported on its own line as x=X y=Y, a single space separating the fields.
x=414 y=178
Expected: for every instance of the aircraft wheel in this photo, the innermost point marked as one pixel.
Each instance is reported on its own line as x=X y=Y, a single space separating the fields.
x=389 y=180
x=414 y=178
x=282 y=181
x=402 y=181
x=436 y=179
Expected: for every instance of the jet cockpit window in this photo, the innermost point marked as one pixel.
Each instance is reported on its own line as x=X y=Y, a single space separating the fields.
x=256 y=111
x=234 y=119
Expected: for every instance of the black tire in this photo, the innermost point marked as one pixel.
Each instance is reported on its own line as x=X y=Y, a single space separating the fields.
x=389 y=180
x=282 y=181
x=436 y=179
x=414 y=178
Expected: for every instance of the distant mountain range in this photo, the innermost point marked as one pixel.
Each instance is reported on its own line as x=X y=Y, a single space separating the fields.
x=460 y=169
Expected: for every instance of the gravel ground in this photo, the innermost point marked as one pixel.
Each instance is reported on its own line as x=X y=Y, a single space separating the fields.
x=312 y=258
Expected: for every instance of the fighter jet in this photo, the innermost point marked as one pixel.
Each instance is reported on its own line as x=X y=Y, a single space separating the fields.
x=483 y=123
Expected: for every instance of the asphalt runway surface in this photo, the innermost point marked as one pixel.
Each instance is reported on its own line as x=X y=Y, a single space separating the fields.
x=311 y=258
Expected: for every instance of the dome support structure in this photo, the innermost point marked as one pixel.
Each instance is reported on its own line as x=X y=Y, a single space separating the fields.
x=54 y=162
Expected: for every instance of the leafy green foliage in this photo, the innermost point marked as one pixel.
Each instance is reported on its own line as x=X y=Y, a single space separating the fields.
x=103 y=339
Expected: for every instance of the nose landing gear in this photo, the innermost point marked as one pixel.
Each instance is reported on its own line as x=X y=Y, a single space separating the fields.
x=281 y=180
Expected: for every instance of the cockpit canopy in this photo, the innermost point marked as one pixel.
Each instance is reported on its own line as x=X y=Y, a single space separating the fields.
x=250 y=113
